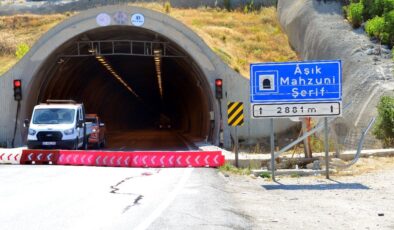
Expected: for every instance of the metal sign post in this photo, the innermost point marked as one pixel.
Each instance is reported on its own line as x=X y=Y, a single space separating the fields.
x=236 y=147
x=326 y=145
x=272 y=149
x=235 y=113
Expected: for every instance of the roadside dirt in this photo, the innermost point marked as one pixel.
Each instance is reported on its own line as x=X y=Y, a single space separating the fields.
x=361 y=198
x=368 y=165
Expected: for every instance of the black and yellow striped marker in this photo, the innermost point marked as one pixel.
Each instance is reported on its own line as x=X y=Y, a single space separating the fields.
x=235 y=111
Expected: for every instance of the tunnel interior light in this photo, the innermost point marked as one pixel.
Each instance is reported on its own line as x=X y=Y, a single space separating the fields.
x=104 y=62
x=157 y=58
x=92 y=50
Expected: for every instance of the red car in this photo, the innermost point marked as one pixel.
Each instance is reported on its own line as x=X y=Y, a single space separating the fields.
x=97 y=137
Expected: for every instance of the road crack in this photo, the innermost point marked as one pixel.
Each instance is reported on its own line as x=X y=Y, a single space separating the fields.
x=115 y=190
x=135 y=203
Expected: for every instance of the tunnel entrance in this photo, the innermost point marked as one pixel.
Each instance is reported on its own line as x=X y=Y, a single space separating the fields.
x=138 y=81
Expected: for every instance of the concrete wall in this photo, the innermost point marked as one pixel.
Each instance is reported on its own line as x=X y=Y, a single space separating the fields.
x=236 y=86
x=317 y=30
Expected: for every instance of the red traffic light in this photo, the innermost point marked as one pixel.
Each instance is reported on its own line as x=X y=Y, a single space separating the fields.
x=18 y=90
x=218 y=82
x=17 y=83
x=218 y=88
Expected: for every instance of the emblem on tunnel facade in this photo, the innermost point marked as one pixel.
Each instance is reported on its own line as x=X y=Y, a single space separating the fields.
x=103 y=19
x=120 y=17
x=137 y=19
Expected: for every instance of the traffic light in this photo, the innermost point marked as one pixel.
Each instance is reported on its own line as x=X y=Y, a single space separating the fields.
x=219 y=88
x=18 y=90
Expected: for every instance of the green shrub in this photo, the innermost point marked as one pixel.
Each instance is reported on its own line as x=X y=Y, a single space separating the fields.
x=388 y=5
x=344 y=11
x=21 y=50
x=392 y=54
x=295 y=175
x=249 y=7
x=355 y=14
x=265 y=175
x=229 y=168
x=384 y=127
x=374 y=8
x=375 y=27
x=389 y=27
x=167 y=7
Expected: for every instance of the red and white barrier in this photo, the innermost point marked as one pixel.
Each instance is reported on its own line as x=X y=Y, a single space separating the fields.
x=34 y=156
x=67 y=157
x=10 y=156
x=124 y=159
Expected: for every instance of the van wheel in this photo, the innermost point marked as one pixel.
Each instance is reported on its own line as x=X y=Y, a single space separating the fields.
x=85 y=143
x=76 y=144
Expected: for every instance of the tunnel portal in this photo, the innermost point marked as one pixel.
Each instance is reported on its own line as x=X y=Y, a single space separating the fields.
x=134 y=78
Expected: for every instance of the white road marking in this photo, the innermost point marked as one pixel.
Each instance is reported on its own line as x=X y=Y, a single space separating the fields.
x=164 y=205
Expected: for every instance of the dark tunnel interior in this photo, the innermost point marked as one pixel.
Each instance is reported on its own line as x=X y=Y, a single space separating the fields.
x=73 y=71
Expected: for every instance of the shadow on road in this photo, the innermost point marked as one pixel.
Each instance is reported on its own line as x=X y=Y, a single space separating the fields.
x=337 y=186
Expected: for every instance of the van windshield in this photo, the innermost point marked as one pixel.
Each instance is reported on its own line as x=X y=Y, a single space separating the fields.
x=54 y=116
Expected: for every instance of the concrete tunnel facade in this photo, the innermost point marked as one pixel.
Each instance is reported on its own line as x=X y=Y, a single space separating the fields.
x=61 y=66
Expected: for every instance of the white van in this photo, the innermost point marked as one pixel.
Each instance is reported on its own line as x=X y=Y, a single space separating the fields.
x=58 y=124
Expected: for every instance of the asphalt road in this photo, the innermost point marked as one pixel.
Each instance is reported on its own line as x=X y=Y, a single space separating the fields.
x=67 y=197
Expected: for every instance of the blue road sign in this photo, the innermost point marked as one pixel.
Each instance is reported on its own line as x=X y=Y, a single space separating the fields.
x=307 y=81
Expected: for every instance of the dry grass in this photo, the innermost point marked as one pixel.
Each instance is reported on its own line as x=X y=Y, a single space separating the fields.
x=6 y=63
x=18 y=29
x=238 y=38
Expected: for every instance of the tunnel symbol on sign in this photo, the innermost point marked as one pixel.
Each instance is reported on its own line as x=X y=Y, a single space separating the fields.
x=266 y=82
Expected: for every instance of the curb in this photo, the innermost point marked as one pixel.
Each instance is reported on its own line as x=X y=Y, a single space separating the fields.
x=288 y=172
